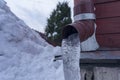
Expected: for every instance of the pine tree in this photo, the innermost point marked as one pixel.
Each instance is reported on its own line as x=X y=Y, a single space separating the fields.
x=58 y=19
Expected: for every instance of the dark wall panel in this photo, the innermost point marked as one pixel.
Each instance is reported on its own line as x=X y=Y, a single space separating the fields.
x=108 y=25
x=108 y=10
x=109 y=40
x=103 y=1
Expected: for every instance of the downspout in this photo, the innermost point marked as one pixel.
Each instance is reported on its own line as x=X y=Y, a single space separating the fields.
x=84 y=24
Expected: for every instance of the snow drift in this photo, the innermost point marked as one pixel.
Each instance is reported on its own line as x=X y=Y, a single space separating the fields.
x=24 y=55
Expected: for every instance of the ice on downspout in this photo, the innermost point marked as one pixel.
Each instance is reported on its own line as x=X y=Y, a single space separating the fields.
x=91 y=43
x=71 y=56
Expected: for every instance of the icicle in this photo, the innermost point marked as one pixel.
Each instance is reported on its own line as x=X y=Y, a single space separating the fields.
x=71 y=57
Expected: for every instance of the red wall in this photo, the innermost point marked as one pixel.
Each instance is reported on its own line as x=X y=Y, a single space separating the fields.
x=108 y=21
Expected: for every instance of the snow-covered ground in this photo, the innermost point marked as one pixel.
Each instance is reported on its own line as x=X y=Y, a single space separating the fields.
x=24 y=55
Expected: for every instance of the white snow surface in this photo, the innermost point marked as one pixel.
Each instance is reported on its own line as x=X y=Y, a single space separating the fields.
x=24 y=55
x=55 y=33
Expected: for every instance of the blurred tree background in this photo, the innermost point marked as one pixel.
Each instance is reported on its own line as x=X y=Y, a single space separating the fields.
x=60 y=17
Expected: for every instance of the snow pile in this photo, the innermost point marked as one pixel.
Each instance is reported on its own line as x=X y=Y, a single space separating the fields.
x=24 y=55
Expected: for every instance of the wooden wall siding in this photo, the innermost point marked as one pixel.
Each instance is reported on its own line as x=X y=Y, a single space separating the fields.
x=103 y=1
x=76 y=2
x=109 y=40
x=108 y=23
x=108 y=10
x=108 y=26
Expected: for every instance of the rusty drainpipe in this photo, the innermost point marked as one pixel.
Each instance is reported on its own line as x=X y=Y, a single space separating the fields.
x=83 y=20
